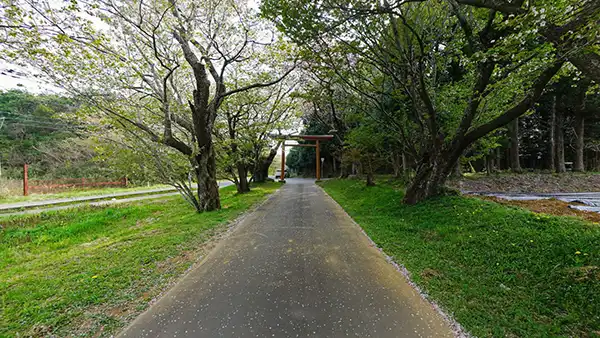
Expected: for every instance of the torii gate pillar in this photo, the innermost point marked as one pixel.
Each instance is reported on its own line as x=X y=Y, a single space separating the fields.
x=282 y=175
x=318 y=161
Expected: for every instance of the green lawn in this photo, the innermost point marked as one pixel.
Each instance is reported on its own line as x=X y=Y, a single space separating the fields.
x=500 y=271
x=77 y=193
x=89 y=271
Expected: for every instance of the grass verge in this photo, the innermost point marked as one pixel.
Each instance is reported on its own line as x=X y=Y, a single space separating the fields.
x=500 y=271
x=90 y=271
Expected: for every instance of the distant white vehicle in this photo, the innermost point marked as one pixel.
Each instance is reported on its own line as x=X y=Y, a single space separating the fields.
x=278 y=173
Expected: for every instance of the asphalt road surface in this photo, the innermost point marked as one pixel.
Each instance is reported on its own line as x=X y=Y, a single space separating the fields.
x=296 y=267
x=591 y=200
x=98 y=203
x=44 y=203
x=95 y=200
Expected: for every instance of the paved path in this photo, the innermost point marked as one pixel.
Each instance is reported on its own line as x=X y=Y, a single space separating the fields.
x=32 y=204
x=296 y=267
x=590 y=199
x=93 y=200
x=77 y=205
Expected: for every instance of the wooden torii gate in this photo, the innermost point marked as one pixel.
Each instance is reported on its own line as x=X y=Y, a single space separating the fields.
x=317 y=145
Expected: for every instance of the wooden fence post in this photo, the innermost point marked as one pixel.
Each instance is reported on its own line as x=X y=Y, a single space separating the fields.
x=125 y=181
x=25 y=179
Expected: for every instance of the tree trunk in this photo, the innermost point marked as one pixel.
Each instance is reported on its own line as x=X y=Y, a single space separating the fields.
x=513 y=129
x=579 y=144
x=344 y=173
x=368 y=168
x=344 y=166
x=579 y=108
x=397 y=164
x=560 y=142
x=261 y=175
x=206 y=165
x=242 y=184
x=405 y=168
x=370 y=181
x=489 y=164
x=206 y=174
x=428 y=181
x=334 y=165
x=457 y=172
x=552 y=150
x=238 y=169
x=498 y=159
x=261 y=170
x=204 y=113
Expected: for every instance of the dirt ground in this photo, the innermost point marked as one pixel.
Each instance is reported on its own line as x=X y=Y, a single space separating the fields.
x=548 y=206
x=529 y=182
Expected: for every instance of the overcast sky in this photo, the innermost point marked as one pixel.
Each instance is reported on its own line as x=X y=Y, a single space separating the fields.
x=16 y=77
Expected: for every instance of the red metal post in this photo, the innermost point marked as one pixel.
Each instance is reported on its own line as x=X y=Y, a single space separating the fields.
x=25 y=179
x=282 y=176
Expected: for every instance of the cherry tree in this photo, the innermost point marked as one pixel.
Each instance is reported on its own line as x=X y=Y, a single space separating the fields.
x=157 y=70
